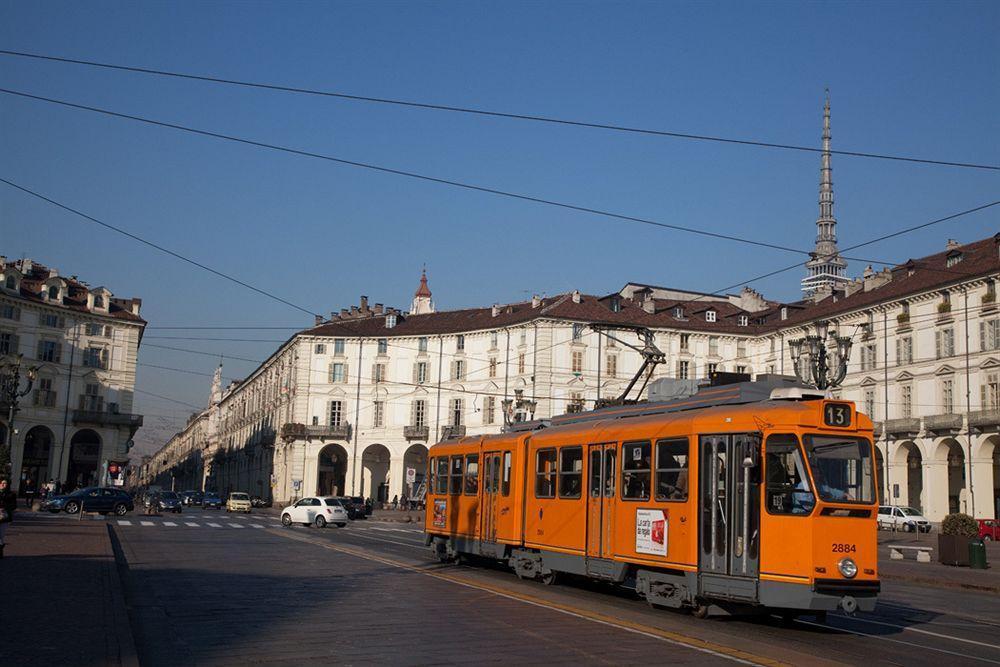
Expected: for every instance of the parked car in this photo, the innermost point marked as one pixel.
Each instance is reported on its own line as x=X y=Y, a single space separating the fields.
x=355 y=506
x=91 y=499
x=316 y=511
x=238 y=502
x=989 y=529
x=906 y=519
x=211 y=500
x=191 y=497
x=168 y=501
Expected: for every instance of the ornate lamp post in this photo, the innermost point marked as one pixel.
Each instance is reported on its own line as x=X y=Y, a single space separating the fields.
x=10 y=394
x=511 y=406
x=814 y=363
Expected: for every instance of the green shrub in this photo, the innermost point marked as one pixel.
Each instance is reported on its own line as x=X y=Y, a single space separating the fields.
x=960 y=524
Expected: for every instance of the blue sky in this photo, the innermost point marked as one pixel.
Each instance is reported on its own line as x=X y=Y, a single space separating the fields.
x=906 y=78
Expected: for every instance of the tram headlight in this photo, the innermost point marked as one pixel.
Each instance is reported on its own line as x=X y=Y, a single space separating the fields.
x=848 y=567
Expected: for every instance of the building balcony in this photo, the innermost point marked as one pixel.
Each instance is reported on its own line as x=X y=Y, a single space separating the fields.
x=106 y=418
x=902 y=428
x=417 y=432
x=984 y=420
x=946 y=423
x=452 y=431
x=341 y=431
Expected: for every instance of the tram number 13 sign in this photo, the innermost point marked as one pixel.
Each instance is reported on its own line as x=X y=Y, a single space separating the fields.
x=837 y=414
x=651 y=532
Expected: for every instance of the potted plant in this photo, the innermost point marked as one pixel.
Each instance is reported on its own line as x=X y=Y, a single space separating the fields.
x=957 y=530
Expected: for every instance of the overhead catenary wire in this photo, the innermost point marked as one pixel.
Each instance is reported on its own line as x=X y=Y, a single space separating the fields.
x=457 y=109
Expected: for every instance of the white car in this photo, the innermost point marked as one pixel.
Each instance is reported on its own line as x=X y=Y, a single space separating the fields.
x=902 y=518
x=316 y=511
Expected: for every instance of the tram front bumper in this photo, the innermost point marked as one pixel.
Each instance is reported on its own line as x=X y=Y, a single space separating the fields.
x=821 y=595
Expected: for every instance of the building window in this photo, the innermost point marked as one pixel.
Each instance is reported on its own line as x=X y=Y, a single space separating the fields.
x=457 y=475
x=741 y=349
x=743 y=320
x=784 y=312
x=678 y=312
x=709 y=315
x=52 y=321
x=11 y=282
x=616 y=304
x=545 y=473
x=338 y=345
x=575 y=403
x=953 y=259
x=672 y=469
x=989 y=334
x=685 y=342
x=904 y=350
x=458 y=369
x=944 y=342
x=91 y=399
x=336 y=413
x=712 y=368
x=378 y=414
x=611 y=367
x=457 y=408
x=320 y=348
x=989 y=392
x=493 y=340
x=420 y=372
x=54 y=293
x=441 y=476
x=98 y=301
x=612 y=343
x=713 y=346
x=683 y=370
x=338 y=373
x=636 y=470
x=419 y=417
x=378 y=373
x=9 y=312
x=489 y=410
x=390 y=321
x=383 y=345
x=422 y=344
x=948 y=396
x=521 y=363
x=570 y=472
x=472 y=474
x=870 y=403
x=493 y=367
x=95 y=357
x=869 y=357
x=577 y=361
x=524 y=336
x=8 y=343
x=93 y=329
x=44 y=396
x=577 y=331
x=460 y=343
x=742 y=370
x=906 y=401
x=49 y=350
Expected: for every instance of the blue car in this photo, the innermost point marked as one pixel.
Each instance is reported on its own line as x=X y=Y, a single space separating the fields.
x=91 y=499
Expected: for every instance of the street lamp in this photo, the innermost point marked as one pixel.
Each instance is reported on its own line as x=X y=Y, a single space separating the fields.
x=11 y=394
x=813 y=362
x=512 y=406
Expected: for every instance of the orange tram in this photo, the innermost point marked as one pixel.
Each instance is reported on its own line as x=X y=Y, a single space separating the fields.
x=754 y=496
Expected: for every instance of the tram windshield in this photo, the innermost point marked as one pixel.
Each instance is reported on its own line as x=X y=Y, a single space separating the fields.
x=841 y=468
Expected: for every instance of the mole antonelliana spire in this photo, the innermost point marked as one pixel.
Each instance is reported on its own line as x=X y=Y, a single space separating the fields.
x=826 y=267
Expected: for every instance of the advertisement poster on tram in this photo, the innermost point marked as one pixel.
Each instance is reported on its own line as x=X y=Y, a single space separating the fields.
x=651 y=532
x=440 y=516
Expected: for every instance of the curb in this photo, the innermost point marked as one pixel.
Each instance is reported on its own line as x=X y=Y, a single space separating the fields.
x=127 y=654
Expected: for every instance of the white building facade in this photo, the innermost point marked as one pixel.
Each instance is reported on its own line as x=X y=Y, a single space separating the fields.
x=84 y=344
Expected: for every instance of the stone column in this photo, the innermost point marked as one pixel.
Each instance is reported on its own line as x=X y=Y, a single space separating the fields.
x=397 y=478
x=935 y=499
x=982 y=486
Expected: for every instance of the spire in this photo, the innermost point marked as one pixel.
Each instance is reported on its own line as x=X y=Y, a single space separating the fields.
x=827 y=267
x=423 y=290
x=422 y=297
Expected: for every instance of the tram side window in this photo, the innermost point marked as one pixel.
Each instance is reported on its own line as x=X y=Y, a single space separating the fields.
x=472 y=475
x=788 y=490
x=505 y=483
x=441 y=476
x=545 y=474
x=570 y=472
x=456 y=475
x=636 y=457
x=672 y=469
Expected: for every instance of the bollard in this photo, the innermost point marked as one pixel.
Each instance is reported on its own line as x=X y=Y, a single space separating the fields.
x=977 y=554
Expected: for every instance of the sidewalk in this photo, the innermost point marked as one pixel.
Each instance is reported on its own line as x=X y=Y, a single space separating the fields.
x=934 y=573
x=62 y=596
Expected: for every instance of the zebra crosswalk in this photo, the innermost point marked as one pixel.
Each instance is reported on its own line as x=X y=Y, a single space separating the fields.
x=191 y=524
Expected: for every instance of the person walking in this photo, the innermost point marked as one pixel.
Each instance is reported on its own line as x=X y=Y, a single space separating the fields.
x=8 y=503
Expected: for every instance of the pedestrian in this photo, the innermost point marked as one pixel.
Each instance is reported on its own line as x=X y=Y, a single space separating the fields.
x=404 y=503
x=395 y=501
x=8 y=503
x=29 y=492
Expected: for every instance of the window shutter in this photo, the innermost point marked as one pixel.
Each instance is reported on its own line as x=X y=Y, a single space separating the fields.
x=982 y=336
x=413 y=405
x=937 y=344
x=982 y=397
x=899 y=347
x=374 y=376
x=451 y=374
x=416 y=378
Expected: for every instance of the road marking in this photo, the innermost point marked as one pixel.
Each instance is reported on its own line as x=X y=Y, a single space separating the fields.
x=666 y=636
x=146 y=523
x=215 y=525
x=923 y=632
x=256 y=525
x=123 y=522
x=188 y=523
x=235 y=525
x=169 y=523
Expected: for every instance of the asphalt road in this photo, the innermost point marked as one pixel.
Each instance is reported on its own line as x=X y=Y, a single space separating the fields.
x=212 y=588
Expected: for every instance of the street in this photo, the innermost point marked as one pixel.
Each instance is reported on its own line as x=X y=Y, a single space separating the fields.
x=211 y=588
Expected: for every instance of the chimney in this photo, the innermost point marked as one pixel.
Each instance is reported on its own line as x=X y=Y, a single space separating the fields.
x=378 y=309
x=364 y=304
x=318 y=320
x=536 y=301
x=344 y=313
x=649 y=306
x=354 y=311
x=952 y=244
x=496 y=309
x=135 y=306
x=576 y=296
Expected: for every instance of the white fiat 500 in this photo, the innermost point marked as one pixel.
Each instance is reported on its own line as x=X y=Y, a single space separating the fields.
x=316 y=511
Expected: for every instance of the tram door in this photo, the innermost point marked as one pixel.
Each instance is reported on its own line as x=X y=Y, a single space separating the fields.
x=600 y=498
x=491 y=496
x=729 y=524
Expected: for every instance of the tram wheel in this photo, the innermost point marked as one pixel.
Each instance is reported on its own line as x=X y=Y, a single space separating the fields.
x=549 y=579
x=700 y=611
